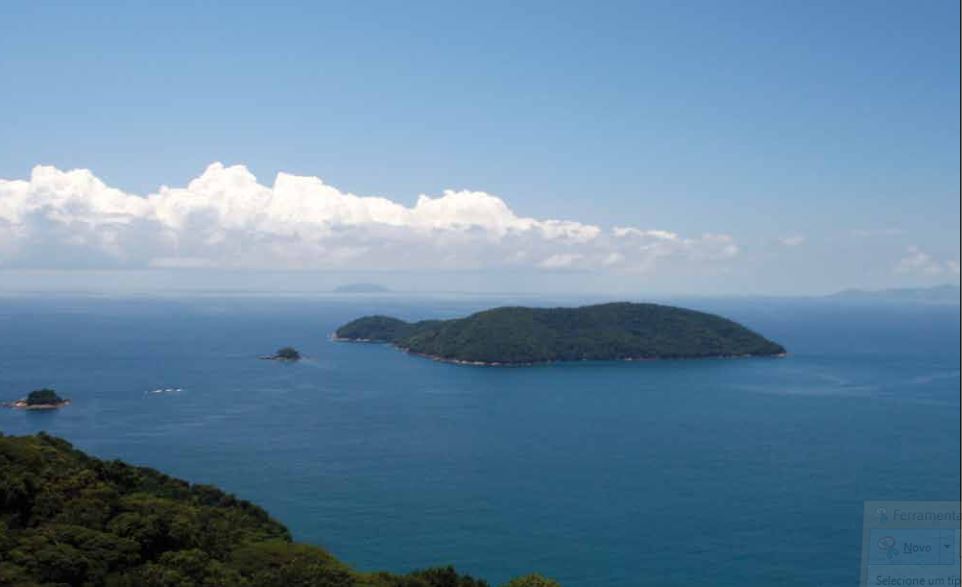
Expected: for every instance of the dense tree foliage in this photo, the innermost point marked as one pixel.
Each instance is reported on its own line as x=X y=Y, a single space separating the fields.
x=379 y=329
x=287 y=353
x=41 y=397
x=67 y=519
x=536 y=335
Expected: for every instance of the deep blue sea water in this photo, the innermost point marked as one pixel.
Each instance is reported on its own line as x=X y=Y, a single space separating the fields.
x=747 y=472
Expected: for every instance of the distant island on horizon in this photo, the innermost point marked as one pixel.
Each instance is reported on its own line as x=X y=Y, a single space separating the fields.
x=361 y=288
x=939 y=294
x=620 y=331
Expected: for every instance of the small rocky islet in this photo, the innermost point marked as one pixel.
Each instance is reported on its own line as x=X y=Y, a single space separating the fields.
x=39 y=399
x=288 y=354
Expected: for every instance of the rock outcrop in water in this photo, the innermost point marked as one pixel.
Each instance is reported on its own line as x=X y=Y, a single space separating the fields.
x=39 y=399
x=287 y=353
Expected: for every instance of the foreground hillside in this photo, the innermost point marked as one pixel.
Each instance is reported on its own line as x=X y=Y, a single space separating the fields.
x=618 y=331
x=70 y=519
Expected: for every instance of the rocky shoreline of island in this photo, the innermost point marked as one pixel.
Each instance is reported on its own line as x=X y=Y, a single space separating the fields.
x=21 y=404
x=559 y=362
x=452 y=361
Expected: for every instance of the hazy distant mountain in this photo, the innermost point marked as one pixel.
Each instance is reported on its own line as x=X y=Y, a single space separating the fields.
x=940 y=294
x=361 y=288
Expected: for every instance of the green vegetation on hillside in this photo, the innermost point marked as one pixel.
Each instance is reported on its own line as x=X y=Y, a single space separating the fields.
x=67 y=519
x=43 y=397
x=617 y=331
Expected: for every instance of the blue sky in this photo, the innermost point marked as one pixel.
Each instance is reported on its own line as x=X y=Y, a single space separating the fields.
x=821 y=137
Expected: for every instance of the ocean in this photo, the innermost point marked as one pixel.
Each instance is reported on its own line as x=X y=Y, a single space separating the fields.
x=728 y=472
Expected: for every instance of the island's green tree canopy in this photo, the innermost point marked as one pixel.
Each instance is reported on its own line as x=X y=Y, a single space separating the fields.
x=288 y=353
x=44 y=396
x=515 y=335
x=67 y=519
x=375 y=328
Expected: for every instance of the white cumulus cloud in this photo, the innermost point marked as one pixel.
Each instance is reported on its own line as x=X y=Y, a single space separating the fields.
x=225 y=218
x=919 y=262
x=792 y=240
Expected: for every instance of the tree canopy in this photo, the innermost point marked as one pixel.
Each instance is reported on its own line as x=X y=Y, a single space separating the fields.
x=288 y=353
x=44 y=396
x=68 y=519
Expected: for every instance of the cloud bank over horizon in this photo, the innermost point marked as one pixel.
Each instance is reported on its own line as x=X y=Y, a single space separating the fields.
x=225 y=219
x=918 y=261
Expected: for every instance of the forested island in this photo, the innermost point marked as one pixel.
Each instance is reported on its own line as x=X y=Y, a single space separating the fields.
x=70 y=519
x=603 y=332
